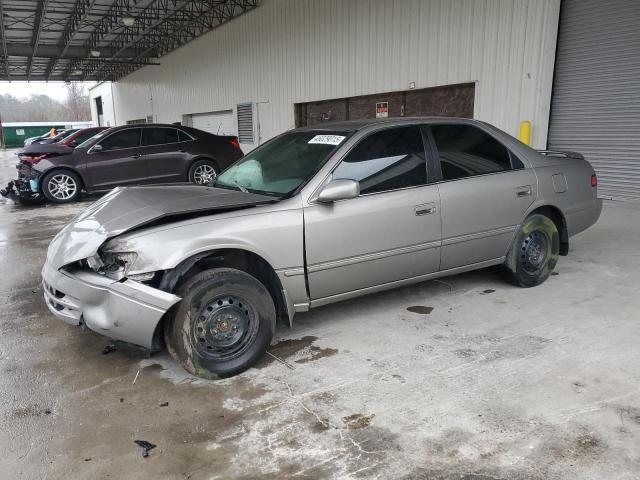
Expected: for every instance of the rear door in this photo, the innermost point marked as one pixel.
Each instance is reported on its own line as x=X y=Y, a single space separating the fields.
x=390 y=232
x=484 y=190
x=120 y=161
x=166 y=154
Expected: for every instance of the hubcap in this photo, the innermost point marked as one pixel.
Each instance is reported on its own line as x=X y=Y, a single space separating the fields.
x=225 y=326
x=534 y=251
x=62 y=186
x=204 y=174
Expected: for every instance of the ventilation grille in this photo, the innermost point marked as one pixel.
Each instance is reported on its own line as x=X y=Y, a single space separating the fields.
x=245 y=122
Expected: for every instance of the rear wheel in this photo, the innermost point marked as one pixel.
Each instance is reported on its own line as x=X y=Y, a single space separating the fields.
x=223 y=325
x=61 y=186
x=534 y=252
x=203 y=172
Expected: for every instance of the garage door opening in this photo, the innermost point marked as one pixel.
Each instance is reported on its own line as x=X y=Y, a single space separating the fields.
x=221 y=122
x=450 y=101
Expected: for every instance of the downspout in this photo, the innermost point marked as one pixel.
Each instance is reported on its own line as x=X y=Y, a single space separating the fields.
x=113 y=105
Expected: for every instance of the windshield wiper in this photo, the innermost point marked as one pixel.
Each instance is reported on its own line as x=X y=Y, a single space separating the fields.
x=240 y=186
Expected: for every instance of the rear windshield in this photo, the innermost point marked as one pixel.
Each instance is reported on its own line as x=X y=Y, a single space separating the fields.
x=282 y=165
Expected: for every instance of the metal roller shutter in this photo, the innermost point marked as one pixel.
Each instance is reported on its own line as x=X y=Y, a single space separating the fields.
x=595 y=107
x=218 y=123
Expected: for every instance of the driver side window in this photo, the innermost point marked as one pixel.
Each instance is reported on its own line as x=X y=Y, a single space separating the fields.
x=129 y=138
x=388 y=160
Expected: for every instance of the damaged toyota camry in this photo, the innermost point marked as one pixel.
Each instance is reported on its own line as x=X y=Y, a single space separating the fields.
x=314 y=216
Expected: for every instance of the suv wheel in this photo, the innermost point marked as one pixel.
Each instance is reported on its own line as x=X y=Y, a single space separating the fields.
x=223 y=325
x=534 y=252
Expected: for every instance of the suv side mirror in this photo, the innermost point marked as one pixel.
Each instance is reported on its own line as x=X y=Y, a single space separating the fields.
x=96 y=148
x=342 y=189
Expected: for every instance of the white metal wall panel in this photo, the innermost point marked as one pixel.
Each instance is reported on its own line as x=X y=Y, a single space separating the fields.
x=290 y=51
x=218 y=123
x=596 y=91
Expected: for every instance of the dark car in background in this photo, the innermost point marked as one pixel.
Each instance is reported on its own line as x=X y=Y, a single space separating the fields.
x=39 y=150
x=128 y=155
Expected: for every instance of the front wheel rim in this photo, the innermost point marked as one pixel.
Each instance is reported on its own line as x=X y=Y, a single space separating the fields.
x=534 y=251
x=204 y=174
x=62 y=186
x=224 y=328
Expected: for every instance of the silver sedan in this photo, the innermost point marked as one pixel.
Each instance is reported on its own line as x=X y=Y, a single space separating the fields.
x=314 y=216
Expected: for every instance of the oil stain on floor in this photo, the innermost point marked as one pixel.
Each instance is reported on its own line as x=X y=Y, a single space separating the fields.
x=292 y=348
x=420 y=309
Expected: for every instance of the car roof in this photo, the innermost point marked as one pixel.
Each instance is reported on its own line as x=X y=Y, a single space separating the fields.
x=354 y=125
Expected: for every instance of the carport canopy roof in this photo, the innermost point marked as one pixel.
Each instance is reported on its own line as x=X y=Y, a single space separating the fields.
x=83 y=40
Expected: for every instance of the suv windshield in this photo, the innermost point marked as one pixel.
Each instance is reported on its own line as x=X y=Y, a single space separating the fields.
x=282 y=165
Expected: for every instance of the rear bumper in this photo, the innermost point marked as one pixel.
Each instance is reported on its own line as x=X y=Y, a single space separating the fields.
x=127 y=311
x=580 y=220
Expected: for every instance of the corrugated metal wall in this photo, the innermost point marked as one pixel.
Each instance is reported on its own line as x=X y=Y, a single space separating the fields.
x=596 y=91
x=289 y=51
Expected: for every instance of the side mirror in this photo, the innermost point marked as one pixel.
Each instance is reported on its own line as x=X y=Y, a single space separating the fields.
x=342 y=189
x=96 y=148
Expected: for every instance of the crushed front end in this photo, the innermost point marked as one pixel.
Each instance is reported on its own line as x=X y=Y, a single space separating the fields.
x=26 y=188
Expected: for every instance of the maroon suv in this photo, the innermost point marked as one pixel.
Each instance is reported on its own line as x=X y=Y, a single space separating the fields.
x=128 y=155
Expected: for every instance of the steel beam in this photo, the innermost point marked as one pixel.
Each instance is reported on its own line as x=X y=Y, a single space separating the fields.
x=4 y=43
x=37 y=28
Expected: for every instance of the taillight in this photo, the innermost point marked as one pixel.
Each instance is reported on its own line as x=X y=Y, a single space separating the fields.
x=31 y=159
x=594 y=180
x=234 y=143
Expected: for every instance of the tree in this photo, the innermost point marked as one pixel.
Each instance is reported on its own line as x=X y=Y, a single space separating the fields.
x=77 y=102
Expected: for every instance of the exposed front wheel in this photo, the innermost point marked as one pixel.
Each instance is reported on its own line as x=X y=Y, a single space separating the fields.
x=534 y=252
x=223 y=325
x=61 y=186
x=203 y=172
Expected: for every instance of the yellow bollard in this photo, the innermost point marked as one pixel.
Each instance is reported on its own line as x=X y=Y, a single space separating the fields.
x=525 y=132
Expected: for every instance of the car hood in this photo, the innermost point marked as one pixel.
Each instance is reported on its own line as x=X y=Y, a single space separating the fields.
x=124 y=209
x=59 y=148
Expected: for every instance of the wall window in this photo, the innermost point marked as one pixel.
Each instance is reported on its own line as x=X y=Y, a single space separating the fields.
x=387 y=160
x=465 y=151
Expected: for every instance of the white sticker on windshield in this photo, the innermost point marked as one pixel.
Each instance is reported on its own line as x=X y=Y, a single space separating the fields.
x=327 y=139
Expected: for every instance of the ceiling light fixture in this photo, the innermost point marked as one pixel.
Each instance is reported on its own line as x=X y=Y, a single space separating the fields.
x=128 y=21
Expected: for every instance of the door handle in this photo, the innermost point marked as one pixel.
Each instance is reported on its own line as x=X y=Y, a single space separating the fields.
x=137 y=155
x=426 y=209
x=523 y=191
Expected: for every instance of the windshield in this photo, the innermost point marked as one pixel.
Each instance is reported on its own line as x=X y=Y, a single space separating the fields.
x=87 y=143
x=282 y=165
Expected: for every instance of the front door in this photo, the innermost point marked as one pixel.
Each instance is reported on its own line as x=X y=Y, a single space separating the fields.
x=119 y=161
x=485 y=192
x=390 y=232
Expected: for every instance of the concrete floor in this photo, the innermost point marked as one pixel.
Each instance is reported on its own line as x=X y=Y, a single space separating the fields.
x=496 y=382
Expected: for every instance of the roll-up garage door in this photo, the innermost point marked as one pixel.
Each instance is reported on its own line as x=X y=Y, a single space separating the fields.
x=218 y=123
x=595 y=106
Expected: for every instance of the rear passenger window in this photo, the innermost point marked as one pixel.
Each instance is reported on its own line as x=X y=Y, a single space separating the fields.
x=387 y=160
x=465 y=151
x=159 y=136
x=183 y=137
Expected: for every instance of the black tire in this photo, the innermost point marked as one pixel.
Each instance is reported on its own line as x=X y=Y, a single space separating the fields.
x=203 y=172
x=52 y=185
x=534 y=252
x=200 y=334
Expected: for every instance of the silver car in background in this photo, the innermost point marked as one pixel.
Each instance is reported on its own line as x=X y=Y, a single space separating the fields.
x=314 y=216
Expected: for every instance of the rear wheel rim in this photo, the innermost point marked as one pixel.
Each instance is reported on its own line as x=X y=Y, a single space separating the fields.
x=62 y=186
x=204 y=174
x=224 y=328
x=534 y=251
